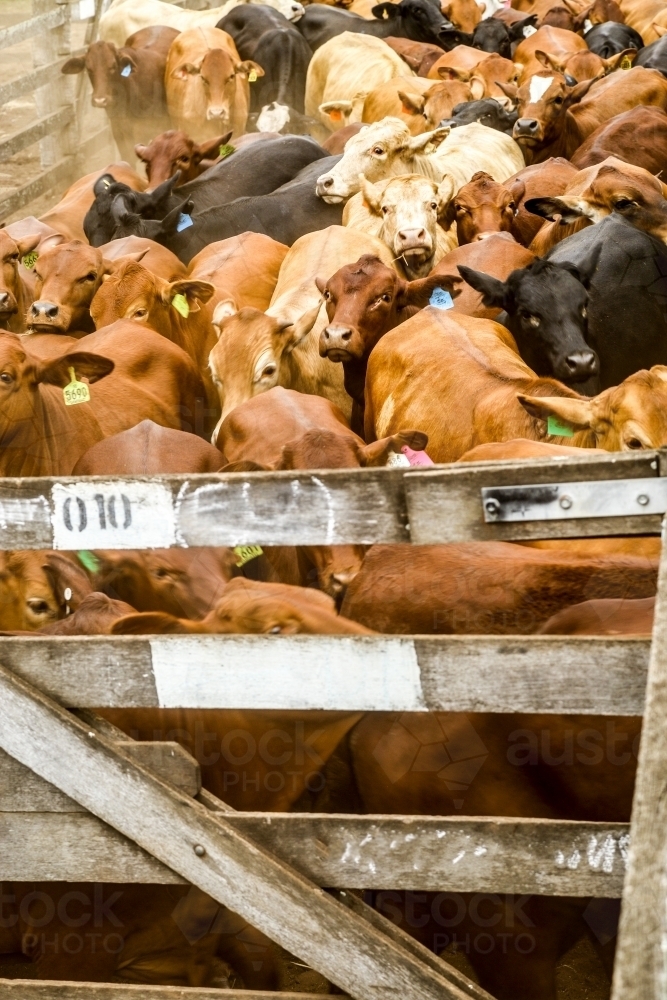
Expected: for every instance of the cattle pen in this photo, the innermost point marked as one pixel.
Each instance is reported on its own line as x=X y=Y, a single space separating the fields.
x=79 y=802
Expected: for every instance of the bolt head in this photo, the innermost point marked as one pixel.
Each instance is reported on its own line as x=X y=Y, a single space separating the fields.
x=200 y=851
x=565 y=502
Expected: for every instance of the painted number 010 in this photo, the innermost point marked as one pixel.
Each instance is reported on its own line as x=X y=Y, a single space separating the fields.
x=110 y=511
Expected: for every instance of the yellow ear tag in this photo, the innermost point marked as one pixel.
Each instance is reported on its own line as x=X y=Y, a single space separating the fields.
x=29 y=259
x=626 y=63
x=75 y=392
x=180 y=304
x=252 y=76
x=246 y=553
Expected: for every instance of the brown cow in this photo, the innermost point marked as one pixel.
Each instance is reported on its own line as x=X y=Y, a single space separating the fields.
x=148 y=449
x=593 y=193
x=540 y=180
x=554 y=42
x=638 y=136
x=207 y=83
x=445 y=350
x=464 y=62
x=555 y=118
x=175 y=151
x=154 y=256
x=39 y=588
x=67 y=216
x=499 y=254
x=243 y=268
x=128 y=83
x=363 y=301
x=419 y=56
x=578 y=65
x=142 y=376
x=420 y=103
x=15 y=287
x=249 y=606
x=483 y=206
x=495 y=588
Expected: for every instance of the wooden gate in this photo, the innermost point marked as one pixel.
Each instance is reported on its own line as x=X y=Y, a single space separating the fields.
x=80 y=802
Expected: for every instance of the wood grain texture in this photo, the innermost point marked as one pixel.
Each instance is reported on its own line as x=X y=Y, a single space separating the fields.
x=445 y=505
x=234 y=871
x=419 y=853
x=585 y=675
x=29 y=989
x=640 y=971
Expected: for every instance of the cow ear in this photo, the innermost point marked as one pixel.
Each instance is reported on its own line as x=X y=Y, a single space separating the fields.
x=111 y=266
x=296 y=332
x=659 y=29
x=185 y=70
x=579 y=91
x=516 y=31
x=517 y=189
x=223 y=311
x=377 y=453
x=626 y=56
x=419 y=143
x=446 y=192
x=154 y=623
x=371 y=194
x=417 y=293
x=196 y=292
x=382 y=9
x=411 y=104
x=548 y=61
x=553 y=209
x=336 y=110
x=76 y=64
x=247 y=67
x=477 y=87
x=585 y=269
x=509 y=89
x=28 y=243
x=450 y=73
x=91 y=366
x=210 y=150
x=141 y=151
x=102 y=184
x=493 y=291
x=575 y=413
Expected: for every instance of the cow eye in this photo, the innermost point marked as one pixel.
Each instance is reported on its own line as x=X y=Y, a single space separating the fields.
x=377 y=150
x=13 y=257
x=558 y=100
x=327 y=294
x=275 y=630
x=624 y=203
x=184 y=159
x=269 y=370
x=634 y=444
x=91 y=276
x=584 y=312
x=386 y=297
x=434 y=206
x=6 y=378
x=38 y=606
x=533 y=321
x=140 y=314
x=385 y=209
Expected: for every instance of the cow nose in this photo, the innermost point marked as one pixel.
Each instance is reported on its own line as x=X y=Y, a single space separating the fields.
x=411 y=236
x=582 y=364
x=452 y=122
x=99 y=102
x=215 y=112
x=325 y=182
x=49 y=309
x=334 y=335
x=526 y=126
x=4 y=301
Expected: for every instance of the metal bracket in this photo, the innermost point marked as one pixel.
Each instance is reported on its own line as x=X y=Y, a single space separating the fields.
x=565 y=501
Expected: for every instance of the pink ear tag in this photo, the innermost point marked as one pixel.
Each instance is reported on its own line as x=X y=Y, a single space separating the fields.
x=416 y=457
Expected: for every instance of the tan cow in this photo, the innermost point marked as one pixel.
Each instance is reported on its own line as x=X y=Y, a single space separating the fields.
x=503 y=398
x=256 y=350
x=16 y=292
x=420 y=103
x=450 y=157
x=207 y=84
x=403 y=212
x=242 y=268
x=343 y=72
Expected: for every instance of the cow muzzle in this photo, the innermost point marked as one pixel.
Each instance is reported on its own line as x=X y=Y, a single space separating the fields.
x=7 y=304
x=335 y=342
x=100 y=102
x=527 y=128
x=44 y=315
x=216 y=113
x=413 y=243
x=579 y=366
x=324 y=189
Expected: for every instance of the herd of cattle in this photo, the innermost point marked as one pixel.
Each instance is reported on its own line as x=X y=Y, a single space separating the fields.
x=389 y=234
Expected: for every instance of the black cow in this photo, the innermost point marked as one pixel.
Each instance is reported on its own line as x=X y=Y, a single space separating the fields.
x=627 y=307
x=610 y=38
x=546 y=307
x=255 y=169
x=286 y=214
x=490 y=35
x=654 y=56
x=418 y=20
x=487 y=112
x=267 y=37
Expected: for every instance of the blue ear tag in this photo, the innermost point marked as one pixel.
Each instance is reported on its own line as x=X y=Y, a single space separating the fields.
x=126 y=70
x=184 y=222
x=441 y=299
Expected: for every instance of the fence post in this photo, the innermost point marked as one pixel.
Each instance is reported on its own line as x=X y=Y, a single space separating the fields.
x=47 y=48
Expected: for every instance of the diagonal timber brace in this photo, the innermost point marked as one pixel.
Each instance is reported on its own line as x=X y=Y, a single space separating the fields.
x=346 y=944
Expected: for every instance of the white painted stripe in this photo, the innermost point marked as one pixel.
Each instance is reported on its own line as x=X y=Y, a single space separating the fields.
x=344 y=673
x=114 y=514
x=19 y=512
x=538 y=87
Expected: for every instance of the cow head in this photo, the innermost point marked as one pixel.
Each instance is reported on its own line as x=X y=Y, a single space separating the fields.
x=420 y=20
x=409 y=208
x=107 y=69
x=628 y=417
x=581 y=66
x=114 y=199
x=246 y=360
x=546 y=304
x=38 y=588
x=487 y=112
x=543 y=104
x=366 y=299
x=135 y=293
x=217 y=74
x=630 y=191
x=174 y=151
x=380 y=150
x=438 y=103
x=483 y=206
x=491 y=35
x=12 y=291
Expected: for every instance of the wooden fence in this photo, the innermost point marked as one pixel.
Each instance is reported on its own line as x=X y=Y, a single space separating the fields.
x=80 y=801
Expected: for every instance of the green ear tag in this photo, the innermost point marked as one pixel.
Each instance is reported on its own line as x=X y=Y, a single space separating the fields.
x=89 y=561
x=29 y=259
x=247 y=552
x=180 y=304
x=252 y=76
x=75 y=392
x=227 y=149
x=554 y=426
